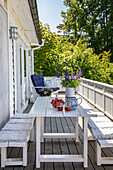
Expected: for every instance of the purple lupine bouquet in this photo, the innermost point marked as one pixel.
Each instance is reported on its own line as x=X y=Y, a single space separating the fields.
x=70 y=81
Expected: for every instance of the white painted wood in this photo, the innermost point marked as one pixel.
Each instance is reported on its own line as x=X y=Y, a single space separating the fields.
x=77 y=129
x=16 y=144
x=59 y=135
x=27 y=73
x=23 y=83
x=39 y=107
x=25 y=155
x=14 y=136
x=98 y=153
x=107 y=160
x=101 y=124
x=18 y=75
x=13 y=161
x=42 y=130
x=3 y=156
x=106 y=143
x=38 y=128
x=20 y=121
x=85 y=144
x=43 y=108
x=98 y=94
x=61 y=158
x=10 y=78
x=103 y=144
x=32 y=134
x=102 y=133
x=15 y=75
x=3 y=144
x=17 y=127
x=21 y=116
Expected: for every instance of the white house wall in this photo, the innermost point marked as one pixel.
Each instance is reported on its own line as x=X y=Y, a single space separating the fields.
x=12 y=13
x=23 y=43
x=4 y=72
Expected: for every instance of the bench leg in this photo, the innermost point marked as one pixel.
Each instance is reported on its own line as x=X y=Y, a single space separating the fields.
x=98 y=153
x=25 y=155
x=32 y=135
x=3 y=156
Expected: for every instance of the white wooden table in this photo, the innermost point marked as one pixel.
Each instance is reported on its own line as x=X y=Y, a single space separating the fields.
x=43 y=108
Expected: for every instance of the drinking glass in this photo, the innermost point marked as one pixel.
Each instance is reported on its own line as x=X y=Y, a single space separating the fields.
x=67 y=106
x=59 y=107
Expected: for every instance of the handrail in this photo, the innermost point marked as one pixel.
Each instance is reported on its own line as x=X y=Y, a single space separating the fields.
x=99 y=94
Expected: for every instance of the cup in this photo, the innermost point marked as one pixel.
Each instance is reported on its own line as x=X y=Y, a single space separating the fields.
x=59 y=107
x=67 y=107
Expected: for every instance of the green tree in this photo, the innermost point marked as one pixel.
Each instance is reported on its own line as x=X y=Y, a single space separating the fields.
x=59 y=53
x=91 y=20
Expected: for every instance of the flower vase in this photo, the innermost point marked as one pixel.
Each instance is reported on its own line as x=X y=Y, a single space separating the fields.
x=70 y=92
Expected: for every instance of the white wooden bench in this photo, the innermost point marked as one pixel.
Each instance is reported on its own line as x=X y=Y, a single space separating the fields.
x=16 y=133
x=102 y=130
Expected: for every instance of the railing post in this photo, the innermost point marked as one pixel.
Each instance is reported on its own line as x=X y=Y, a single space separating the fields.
x=94 y=95
x=87 y=91
x=104 y=89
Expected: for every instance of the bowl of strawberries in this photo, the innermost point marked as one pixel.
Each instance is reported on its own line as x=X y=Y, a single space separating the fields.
x=55 y=102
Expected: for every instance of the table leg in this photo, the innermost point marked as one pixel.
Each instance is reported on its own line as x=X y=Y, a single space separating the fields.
x=38 y=124
x=85 y=145
x=42 y=129
x=76 y=129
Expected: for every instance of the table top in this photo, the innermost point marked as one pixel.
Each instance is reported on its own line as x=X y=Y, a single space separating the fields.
x=43 y=108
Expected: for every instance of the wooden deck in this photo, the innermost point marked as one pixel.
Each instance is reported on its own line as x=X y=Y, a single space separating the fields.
x=59 y=146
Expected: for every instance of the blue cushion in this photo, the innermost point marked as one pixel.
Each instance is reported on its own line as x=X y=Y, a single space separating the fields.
x=55 y=88
x=38 y=80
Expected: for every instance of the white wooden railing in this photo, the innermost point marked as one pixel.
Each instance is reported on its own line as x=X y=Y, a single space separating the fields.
x=99 y=94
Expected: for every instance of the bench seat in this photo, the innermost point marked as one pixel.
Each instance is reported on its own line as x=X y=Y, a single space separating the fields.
x=17 y=127
x=102 y=131
x=13 y=139
x=16 y=133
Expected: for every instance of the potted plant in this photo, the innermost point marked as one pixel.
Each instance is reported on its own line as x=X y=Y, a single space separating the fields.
x=70 y=82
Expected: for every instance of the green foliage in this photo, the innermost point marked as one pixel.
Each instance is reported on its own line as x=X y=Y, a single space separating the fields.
x=91 y=20
x=71 y=83
x=59 y=53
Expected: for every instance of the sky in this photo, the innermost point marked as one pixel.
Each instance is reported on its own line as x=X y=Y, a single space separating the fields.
x=50 y=12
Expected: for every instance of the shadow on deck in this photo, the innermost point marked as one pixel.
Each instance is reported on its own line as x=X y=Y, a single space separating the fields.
x=59 y=146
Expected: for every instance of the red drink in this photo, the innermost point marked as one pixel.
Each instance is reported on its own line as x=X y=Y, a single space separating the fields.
x=67 y=108
x=59 y=108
